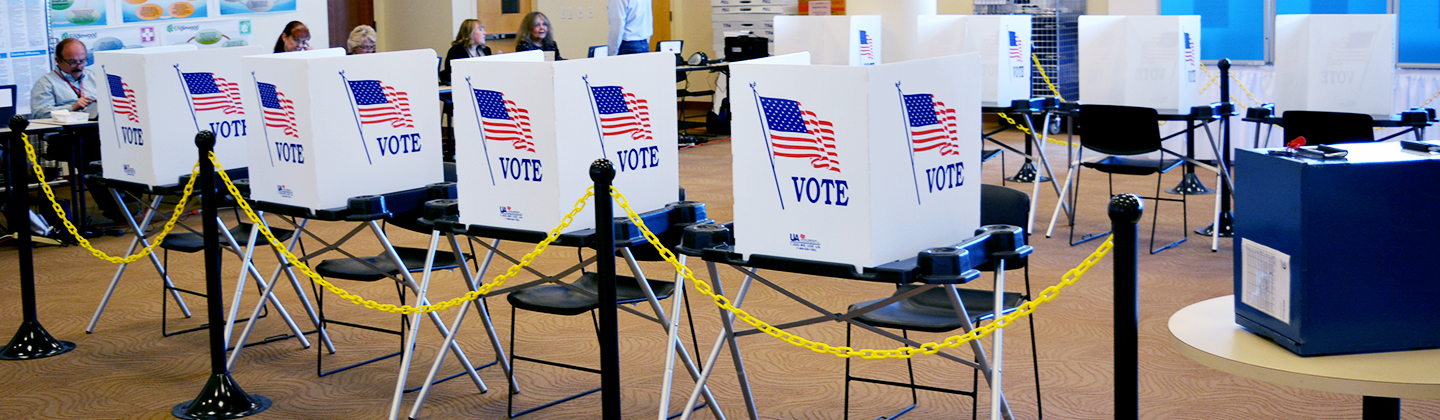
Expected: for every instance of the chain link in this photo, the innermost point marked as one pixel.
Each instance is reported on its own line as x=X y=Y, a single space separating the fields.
x=75 y=232
x=704 y=288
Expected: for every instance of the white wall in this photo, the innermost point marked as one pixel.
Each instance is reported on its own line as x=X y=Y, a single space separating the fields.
x=407 y=24
x=578 y=24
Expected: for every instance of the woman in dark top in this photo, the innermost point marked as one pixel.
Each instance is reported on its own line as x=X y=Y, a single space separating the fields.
x=470 y=42
x=535 y=34
x=295 y=37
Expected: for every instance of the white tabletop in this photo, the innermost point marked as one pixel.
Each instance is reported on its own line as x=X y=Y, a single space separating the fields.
x=1206 y=333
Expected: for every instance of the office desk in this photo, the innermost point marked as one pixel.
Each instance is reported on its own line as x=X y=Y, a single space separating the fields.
x=1206 y=333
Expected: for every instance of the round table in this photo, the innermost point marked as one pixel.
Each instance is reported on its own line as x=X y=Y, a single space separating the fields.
x=1206 y=333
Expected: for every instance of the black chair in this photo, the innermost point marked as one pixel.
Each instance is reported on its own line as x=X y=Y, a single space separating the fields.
x=194 y=241
x=930 y=311
x=1124 y=135
x=1328 y=127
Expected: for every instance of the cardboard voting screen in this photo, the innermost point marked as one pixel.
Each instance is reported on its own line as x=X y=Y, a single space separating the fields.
x=154 y=101
x=1003 y=42
x=855 y=165
x=334 y=126
x=527 y=131
x=1145 y=61
x=1336 y=63
x=836 y=40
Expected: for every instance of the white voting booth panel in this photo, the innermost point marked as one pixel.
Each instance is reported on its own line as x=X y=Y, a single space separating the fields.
x=527 y=131
x=154 y=100
x=1003 y=42
x=855 y=165
x=1336 y=63
x=1146 y=61
x=334 y=126
x=838 y=40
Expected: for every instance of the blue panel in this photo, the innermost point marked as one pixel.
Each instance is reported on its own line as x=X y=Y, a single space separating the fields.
x=1228 y=29
x=1419 y=31
x=1325 y=7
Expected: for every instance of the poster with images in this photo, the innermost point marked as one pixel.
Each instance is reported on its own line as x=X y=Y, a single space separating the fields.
x=238 y=7
x=111 y=38
x=212 y=34
x=149 y=10
x=78 y=12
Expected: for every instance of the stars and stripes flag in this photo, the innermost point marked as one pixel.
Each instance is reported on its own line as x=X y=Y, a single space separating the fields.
x=932 y=125
x=502 y=120
x=622 y=112
x=279 y=112
x=377 y=102
x=867 y=50
x=1355 y=47
x=211 y=93
x=1189 y=49
x=122 y=98
x=1015 y=47
x=798 y=133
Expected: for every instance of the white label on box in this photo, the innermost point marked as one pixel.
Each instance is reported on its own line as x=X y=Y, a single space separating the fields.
x=819 y=8
x=1265 y=280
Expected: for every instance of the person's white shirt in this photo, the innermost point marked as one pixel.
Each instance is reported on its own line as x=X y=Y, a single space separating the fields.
x=629 y=21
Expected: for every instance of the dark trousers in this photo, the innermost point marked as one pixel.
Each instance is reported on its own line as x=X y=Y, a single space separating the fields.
x=633 y=47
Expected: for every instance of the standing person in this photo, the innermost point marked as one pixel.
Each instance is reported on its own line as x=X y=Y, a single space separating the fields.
x=295 y=37
x=630 y=26
x=469 y=42
x=536 y=34
x=72 y=86
x=361 y=41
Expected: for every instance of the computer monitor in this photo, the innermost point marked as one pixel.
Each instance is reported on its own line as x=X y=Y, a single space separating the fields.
x=672 y=46
x=599 y=51
x=7 y=103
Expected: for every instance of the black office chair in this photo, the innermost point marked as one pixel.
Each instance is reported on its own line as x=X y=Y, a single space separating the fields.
x=930 y=311
x=1328 y=127
x=1124 y=134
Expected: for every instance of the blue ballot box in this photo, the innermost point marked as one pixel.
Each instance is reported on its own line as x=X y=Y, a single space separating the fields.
x=1339 y=255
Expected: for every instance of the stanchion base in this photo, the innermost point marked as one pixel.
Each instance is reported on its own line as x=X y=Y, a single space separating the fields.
x=1027 y=173
x=33 y=342
x=221 y=398
x=1227 y=226
x=1190 y=185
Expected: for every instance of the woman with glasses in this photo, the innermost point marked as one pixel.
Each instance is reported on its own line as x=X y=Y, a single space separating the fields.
x=295 y=37
x=362 y=40
x=469 y=42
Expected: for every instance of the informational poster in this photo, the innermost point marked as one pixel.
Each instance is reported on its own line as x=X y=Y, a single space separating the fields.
x=210 y=34
x=240 y=7
x=110 y=38
x=149 y=10
x=24 y=53
x=76 y=12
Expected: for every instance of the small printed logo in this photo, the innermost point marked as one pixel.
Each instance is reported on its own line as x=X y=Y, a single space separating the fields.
x=802 y=243
x=510 y=214
x=129 y=170
x=284 y=192
x=244 y=27
x=147 y=34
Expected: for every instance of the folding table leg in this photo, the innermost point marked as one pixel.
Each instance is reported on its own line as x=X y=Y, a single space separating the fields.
x=140 y=239
x=1064 y=190
x=664 y=321
x=989 y=370
x=250 y=270
x=727 y=335
x=283 y=266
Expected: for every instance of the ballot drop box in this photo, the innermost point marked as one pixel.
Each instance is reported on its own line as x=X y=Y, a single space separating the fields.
x=855 y=165
x=1336 y=63
x=334 y=126
x=154 y=100
x=1338 y=256
x=1144 y=61
x=837 y=40
x=1003 y=42
x=528 y=130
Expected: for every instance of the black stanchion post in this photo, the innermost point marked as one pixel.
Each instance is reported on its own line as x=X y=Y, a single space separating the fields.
x=602 y=172
x=31 y=341
x=1227 y=221
x=221 y=398
x=1125 y=210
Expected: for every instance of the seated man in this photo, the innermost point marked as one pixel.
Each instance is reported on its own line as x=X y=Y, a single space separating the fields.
x=73 y=87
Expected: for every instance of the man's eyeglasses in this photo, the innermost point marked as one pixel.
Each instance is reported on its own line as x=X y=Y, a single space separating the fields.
x=73 y=63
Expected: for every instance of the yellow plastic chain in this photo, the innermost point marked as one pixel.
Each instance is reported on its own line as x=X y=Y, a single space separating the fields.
x=60 y=211
x=1025 y=130
x=905 y=352
x=1045 y=77
x=400 y=309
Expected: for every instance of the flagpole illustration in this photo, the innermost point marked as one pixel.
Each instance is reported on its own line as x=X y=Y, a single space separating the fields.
x=263 y=124
x=764 y=132
x=113 y=122
x=909 y=142
x=355 y=111
x=189 y=102
x=483 y=144
x=595 y=112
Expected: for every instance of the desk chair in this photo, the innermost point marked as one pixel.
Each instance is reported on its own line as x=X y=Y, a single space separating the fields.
x=1123 y=134
x=1328 y=127
x=930 y=311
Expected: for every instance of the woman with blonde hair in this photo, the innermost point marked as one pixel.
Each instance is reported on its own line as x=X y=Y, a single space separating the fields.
x=535 y=34
x=469 y=42
x=362 y=40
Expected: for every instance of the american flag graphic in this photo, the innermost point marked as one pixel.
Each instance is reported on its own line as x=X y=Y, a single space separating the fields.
x=1189 y=49
x=866 y=44
x=122 y=98
x=621 y=112
x=379 y=103
x=210 y=93
x=1015 y=47
x=1351 y=48
x=932 y=125
x=279 y=112
x=502 y=120
x=798 y=133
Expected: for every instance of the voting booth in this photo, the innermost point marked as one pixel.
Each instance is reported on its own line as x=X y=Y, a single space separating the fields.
x=1003 y=42
x=855 y=165
x=154 y=100
x=527 y=131
x=330 y=126
x=835 y=40
x=1336 y=63
x=1144 y=61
